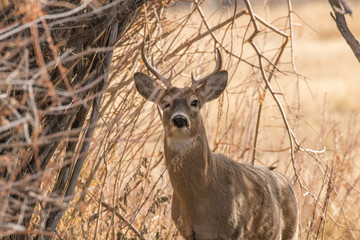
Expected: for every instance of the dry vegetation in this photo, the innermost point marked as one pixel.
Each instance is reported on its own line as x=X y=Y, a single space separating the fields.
x=124 y=192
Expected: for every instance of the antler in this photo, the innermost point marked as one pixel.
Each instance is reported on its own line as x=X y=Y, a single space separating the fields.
x=166 y=81
x=196 y=83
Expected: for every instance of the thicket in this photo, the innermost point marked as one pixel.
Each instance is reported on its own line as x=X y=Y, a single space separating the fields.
x=81 y=152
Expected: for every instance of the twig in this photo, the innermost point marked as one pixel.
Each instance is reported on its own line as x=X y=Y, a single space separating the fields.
x=52 y=222
x=291 y=134
x=131 y=226
x=15 y=123
x=174 y=163
x=200 y=36
x=341 y=24
x=197 y=4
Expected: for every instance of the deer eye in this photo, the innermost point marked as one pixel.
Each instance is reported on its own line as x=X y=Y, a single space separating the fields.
x=194 y=103
x=166 y=105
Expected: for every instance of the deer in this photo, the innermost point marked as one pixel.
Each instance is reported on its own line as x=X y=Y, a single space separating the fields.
x=214 y=197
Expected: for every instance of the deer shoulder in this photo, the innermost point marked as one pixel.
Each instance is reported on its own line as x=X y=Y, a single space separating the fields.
x=214 y=196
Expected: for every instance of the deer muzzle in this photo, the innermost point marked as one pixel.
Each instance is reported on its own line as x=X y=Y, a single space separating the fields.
x=180 y=121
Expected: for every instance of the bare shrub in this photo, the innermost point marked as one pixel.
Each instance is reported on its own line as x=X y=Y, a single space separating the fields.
x=55 y=70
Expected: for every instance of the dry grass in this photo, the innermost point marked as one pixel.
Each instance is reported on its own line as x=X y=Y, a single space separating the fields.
x=124 y=191
x=329 y=182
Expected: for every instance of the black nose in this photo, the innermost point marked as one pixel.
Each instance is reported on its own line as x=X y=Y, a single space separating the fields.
x=179 y=121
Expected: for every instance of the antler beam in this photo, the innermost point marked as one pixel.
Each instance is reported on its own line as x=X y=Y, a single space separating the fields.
x=196 y=83
x=166 y=81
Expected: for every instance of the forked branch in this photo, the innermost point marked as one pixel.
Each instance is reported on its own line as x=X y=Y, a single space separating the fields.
x=340 y=8
x=292 y=138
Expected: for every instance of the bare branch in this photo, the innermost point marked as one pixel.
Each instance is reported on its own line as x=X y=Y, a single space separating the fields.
x=341 y=24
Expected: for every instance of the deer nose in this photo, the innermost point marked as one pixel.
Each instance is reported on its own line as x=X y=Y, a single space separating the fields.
x=180 y=121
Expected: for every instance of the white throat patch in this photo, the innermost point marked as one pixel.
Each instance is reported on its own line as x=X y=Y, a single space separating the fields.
x=178 y=144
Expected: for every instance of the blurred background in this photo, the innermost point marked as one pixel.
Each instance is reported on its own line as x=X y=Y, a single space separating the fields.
x=74 y=128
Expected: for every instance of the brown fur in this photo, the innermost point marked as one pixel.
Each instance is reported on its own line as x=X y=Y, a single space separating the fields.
x=214 y=196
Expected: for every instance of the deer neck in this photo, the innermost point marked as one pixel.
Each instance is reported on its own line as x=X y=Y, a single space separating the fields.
x=189 y=161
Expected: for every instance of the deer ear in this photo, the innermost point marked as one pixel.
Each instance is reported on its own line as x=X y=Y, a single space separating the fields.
x=213 y=87
x=148 y=87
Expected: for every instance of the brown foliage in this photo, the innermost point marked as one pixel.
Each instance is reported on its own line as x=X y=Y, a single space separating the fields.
x=55 y=71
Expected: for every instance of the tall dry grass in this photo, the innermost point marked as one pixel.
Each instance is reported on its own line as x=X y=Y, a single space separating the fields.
x=124 y=191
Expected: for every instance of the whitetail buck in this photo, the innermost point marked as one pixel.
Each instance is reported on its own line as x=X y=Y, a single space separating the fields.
x=214 y=196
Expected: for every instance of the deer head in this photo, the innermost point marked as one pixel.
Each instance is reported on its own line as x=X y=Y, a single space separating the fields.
x=181 y=106
x=215 y=197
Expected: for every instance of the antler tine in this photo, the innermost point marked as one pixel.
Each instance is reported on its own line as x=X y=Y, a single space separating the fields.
x=166 y=81
x=197 y=83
